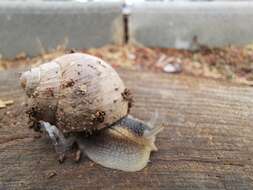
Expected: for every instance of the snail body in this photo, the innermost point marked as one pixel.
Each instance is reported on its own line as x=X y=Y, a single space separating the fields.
x=126 y=145
x=83 y=96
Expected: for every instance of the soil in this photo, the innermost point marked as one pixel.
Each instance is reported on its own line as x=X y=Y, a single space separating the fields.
x=127 y=96
x=229 y=63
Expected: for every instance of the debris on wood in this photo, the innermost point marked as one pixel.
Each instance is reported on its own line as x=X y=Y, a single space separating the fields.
x=78 y=155
x=51 y=174
x=4 y=104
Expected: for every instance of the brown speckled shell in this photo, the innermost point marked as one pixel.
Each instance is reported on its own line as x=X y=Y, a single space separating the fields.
x=79 y=92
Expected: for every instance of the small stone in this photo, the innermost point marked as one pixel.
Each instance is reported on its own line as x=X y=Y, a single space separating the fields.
x=78 y=155
x=172 y=68
x=51 y=174
x=3 y=104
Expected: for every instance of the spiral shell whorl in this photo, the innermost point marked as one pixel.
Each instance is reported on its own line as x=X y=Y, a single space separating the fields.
x=76 y=92
x=30 y=80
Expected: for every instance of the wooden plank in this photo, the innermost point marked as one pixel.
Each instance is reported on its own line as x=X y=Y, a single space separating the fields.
x=207 y=142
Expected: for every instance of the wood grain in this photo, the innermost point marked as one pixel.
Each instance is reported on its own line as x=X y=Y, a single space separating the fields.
x=207 y=142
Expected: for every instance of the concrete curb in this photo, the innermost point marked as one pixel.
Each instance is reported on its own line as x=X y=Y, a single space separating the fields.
x=35 y=27
x=190 y=24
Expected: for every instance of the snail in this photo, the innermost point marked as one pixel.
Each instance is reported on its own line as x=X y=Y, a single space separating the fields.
x=79 y=98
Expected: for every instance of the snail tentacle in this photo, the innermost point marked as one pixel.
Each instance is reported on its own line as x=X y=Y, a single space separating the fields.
x=61 y=143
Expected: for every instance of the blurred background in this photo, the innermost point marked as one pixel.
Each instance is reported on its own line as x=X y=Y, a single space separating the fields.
x=201 y=37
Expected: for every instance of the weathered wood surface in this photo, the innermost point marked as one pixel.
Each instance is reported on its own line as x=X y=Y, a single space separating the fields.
x=207 y=142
